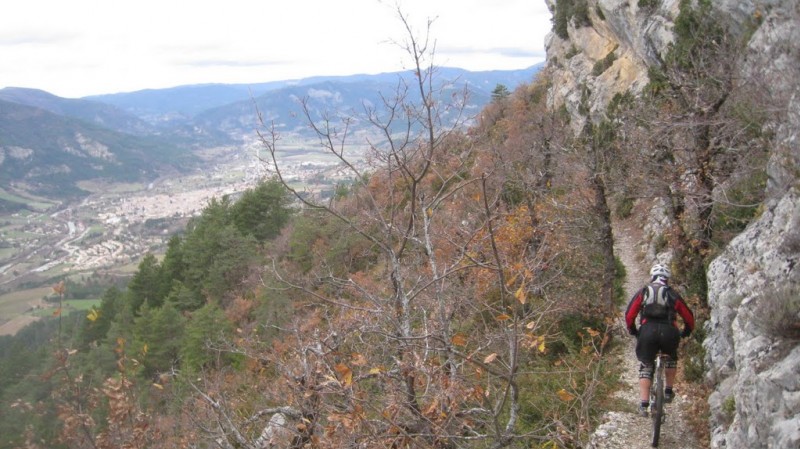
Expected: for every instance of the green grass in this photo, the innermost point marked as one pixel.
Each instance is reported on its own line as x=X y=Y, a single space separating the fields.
x=96 y=229
x=17 y=234
x=69 y=305
x=54 y=271
x=31 y=201
x=6 y=253
x=16 y=303
x=94 y=186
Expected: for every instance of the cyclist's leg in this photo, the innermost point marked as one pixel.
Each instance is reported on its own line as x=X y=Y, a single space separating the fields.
x=670 y=339
x=646 y=348
x=671 y=370
x=645 y=380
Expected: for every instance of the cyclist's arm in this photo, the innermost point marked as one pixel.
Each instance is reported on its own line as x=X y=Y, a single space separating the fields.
x=687 y=315
x=633 y=311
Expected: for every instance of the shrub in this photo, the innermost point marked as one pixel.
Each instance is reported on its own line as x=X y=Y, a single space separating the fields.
x=561 y=18
x=619 y=102
x=573 y=51
x=619 y=281
x=624 y=207
x=697 y=32
x=604 y=64
x=566 y=10
x=743 y=198
x=513 y=193
x=580 y=11
x=729 y=408
x=648 y=5
x=657 y=83
x=694 y=362
x=660 y=243
x=572 y=327
x=777 y=312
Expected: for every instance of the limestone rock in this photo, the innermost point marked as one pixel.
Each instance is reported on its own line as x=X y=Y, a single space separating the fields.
x=637 y=38
x=753 y=341
x=752 y=350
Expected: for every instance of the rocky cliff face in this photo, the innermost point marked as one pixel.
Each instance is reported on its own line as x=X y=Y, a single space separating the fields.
x=752 y=350
x=622 y=37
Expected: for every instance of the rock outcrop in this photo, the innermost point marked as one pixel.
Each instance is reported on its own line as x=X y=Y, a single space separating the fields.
x=622 y=40
x=752 y=346
x=752 y=352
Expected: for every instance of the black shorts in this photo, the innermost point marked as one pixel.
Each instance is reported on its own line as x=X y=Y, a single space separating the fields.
x=655 y=336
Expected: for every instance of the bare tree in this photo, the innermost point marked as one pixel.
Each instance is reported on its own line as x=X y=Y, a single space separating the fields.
x=697 y=134
x=383 y=357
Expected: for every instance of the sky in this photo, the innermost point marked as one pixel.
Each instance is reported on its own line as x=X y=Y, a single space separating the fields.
x=77 y=48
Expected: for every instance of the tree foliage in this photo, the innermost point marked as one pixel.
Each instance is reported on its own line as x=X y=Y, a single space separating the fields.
x=262 y=211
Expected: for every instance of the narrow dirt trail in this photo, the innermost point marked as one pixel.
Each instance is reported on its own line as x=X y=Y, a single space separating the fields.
x=625 y=428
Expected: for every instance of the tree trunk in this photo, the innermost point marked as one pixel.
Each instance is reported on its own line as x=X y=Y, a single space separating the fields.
x=606 y=239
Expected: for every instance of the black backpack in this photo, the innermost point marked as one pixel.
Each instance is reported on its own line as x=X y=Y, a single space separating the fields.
x=658 y=303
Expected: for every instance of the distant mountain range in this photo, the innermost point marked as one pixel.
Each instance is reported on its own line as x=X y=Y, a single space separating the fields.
x=47 y=154
x=48 y=143
x=184 y=102
x=97 y=113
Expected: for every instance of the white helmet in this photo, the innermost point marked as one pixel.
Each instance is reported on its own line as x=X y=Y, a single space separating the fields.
x=660 y=270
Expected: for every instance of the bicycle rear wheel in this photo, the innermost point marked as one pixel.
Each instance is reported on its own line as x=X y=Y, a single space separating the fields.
x=657 y=408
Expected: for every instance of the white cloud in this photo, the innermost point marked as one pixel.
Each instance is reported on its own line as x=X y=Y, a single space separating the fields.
x=84 y=47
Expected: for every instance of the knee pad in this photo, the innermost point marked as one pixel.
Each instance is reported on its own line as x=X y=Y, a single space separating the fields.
x=671 y=363
x=646 y=371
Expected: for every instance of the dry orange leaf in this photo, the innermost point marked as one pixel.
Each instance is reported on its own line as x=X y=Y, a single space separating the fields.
x=511 y=281
x=358 y=359
x=459 y=340
x=565 y=395
x=490 y=358
x=538 y=343
x=433 y=407
x=59 y=288
x=345 y=374
x=520 y=294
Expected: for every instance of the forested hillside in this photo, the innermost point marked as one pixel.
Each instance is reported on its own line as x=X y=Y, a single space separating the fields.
x=461 y=291
x=47 y=154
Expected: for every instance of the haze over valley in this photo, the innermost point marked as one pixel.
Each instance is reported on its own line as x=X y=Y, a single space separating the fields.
x=89 y=186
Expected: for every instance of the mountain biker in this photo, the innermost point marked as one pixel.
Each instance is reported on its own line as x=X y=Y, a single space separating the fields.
x=658 y=304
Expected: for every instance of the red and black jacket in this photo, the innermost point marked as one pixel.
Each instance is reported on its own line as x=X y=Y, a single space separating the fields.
x=635 y=307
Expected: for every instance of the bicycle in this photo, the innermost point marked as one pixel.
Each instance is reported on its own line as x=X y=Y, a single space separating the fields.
x=657 y=396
